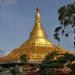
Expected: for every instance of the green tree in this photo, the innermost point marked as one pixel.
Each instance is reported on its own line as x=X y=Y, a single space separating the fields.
x=15 y=70
x=69 y=57
x=23 y=58
x=62 y=60
x=66 y=59
x=66 y=17
x=50 y=57
x=1 y=69
x=72 y=66
x=49 y=63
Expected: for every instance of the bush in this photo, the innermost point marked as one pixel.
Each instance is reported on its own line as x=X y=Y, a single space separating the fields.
x=14 y=70
x=1 y=69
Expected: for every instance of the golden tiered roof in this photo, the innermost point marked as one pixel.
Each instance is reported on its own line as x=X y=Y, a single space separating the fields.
x=37 y=46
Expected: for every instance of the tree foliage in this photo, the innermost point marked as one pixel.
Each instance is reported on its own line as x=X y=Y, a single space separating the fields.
x=72 y=66
x=15 y=70
x=69 y=57
x=23 y=58
x=1 y=69
x=50 y=63
x=66 y=17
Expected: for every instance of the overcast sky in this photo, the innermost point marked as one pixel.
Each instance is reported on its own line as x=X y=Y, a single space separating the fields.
x=17 y=20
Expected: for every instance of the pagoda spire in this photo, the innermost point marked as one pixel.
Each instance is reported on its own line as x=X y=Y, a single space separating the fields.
x=37 y=29
x=37 y=19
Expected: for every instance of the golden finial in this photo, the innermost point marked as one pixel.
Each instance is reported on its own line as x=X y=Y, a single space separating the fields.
x=37 y=16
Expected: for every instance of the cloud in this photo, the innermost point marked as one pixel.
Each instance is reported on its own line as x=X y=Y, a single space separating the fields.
x=8 y=2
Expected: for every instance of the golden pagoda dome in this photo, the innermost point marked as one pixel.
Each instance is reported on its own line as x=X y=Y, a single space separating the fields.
x=37 y=35
x=37 y=46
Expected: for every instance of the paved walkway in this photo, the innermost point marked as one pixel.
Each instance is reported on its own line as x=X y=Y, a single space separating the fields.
x=4 y=73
